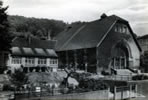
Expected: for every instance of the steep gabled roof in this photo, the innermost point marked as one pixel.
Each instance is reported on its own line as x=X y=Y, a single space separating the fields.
x=143 y=37
x=84 y=35
x=87 y=35
x=65 y=35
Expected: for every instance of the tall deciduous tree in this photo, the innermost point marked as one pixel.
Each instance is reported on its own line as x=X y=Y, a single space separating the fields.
x=5 y=38
x=19 y=78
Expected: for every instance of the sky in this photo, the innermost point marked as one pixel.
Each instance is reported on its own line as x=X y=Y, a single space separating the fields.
x=135 y=11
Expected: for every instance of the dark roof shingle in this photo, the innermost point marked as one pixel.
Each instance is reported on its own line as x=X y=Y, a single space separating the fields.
x=85 y=35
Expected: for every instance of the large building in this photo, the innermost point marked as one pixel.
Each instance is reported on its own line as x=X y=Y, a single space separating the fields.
x=33 y=55
x=105 y=44
x=143 y=42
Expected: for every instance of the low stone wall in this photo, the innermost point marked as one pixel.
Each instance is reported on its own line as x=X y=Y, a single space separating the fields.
x=97 y=95
x=142 y=88
x=102 y=95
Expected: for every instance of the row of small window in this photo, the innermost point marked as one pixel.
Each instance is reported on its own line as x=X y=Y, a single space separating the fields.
x=29 y=60
x=118 y=62
x=144 y=47
x=16 y=60
x=144 y=41
x=53 y=61
x=121 y=29
x=41 y=61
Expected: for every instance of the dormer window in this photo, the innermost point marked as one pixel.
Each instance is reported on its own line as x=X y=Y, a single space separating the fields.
x=120 y=29
x=124 y=29
x=116 y=29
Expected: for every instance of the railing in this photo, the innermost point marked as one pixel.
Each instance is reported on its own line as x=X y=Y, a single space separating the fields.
x=125 y=92
x=40 y=93
x=118 y=93
x=119 y=77
x=63 y=93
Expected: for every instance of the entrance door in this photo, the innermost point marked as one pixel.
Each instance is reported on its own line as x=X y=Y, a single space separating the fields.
x=119 y=62
x=119 y=57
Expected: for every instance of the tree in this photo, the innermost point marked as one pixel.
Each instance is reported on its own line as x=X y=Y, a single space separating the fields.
x=41 y=28
x=19 y=78
x=5 y=37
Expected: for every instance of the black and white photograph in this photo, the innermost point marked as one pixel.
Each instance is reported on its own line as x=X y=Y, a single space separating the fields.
x=73 y=50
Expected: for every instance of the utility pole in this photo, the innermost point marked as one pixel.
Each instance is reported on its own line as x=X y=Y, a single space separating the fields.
x=67 y=59
x=85 y=59
x=75 y=60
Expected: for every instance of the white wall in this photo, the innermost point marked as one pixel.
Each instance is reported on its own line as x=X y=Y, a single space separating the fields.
x=135 y=53
x=16 y=66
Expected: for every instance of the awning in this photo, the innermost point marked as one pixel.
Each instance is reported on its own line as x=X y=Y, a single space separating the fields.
x=33 y=52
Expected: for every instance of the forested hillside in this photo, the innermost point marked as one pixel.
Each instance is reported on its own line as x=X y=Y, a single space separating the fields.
x=42 y=28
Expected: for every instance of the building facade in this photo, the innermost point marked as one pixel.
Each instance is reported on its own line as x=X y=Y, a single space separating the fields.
x=143 y=41
x=104 y=44
x=33 y=55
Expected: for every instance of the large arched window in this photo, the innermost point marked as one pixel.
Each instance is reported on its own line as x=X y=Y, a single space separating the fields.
x=120 y=55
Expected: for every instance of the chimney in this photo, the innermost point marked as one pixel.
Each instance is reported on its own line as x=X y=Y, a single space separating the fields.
x=29 y=40
x=49 y=35
x=68 y=28
x=103 y=16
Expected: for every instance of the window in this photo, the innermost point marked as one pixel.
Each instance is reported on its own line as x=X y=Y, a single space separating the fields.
x=42 y=61
x=119 y=62
x=124 y=29
x=145 y=41
x=141 y=41
x=112 y=63
x=16 y=60
x=116 y=29
x=53 y=61
x=123 y=62
x=121 y=29
x=29 y=60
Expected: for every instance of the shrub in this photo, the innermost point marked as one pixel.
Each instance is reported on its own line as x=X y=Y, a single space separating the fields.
x=8 y=88
x=80 y=76
x=105 y=73
x=140 y=77
x=19 y=78
x=92 y=84
x=88 y=84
